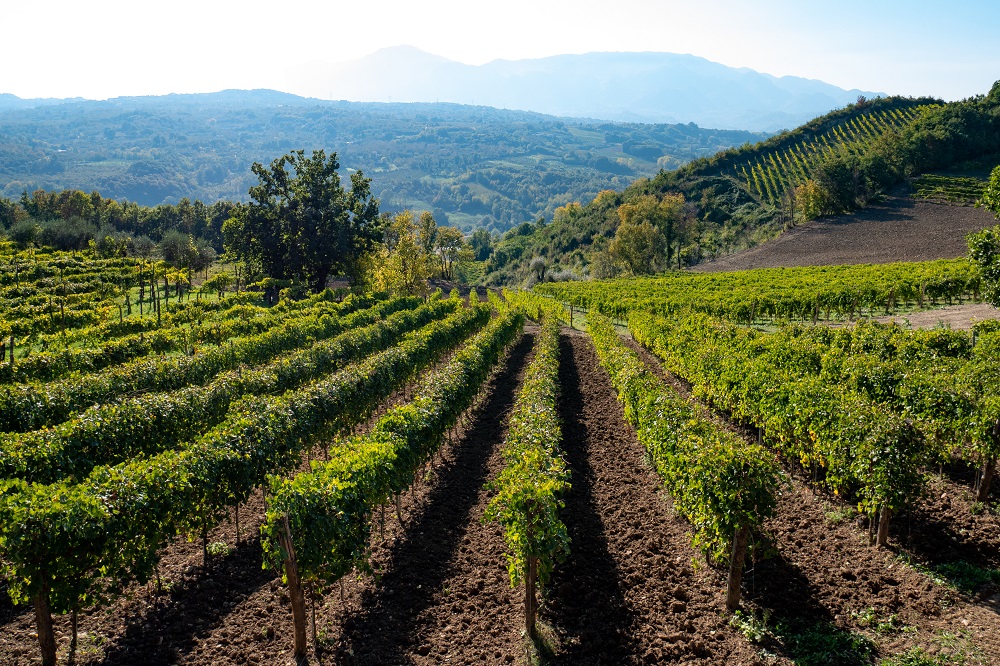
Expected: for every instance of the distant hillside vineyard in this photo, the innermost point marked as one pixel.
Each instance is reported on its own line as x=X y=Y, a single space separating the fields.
x=742 y=197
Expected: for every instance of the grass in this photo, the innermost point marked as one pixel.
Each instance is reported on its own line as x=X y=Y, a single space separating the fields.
x=808 y=644
x=949 y=649
x=960 y=575
x=880 y=624
x=954 y=189
x=841 y=514
x=217 y=548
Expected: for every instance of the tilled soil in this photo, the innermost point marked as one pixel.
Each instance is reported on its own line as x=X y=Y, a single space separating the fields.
x=632 y=591
x=822 y=577
x=900 y=229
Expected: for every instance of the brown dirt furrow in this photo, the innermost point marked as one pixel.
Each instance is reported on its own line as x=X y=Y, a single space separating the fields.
x=632 y=591
x=899 y=229
x=947 y=526
x=441 y=591
x=823 y=573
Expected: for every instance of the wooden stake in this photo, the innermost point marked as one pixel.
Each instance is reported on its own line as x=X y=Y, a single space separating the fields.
x=530 y=600
x=985 y=479
x=882 y=539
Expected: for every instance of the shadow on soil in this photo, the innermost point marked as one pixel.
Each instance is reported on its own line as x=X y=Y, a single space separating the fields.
x=793 y=623
x=189 y=608
x=585 y=605
x=383 y=630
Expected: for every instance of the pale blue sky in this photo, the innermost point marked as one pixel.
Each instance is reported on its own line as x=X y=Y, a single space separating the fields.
x=107 y=48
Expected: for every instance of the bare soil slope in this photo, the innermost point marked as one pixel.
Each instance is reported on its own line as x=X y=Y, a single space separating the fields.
x=901 y=229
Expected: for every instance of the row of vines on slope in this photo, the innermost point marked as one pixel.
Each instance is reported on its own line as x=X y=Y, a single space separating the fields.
x=774 y=294
x=112 y=432
x=725 y=487
x=529 y=490
x=318 y=524
x=66 y=546
x=851 y=442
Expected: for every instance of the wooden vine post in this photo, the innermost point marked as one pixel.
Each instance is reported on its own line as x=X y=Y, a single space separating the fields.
x=989 y=467
x=989 y=470
x=294 y=588
x=740 y=539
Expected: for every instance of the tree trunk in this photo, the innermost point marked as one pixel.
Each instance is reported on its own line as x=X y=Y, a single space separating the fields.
x=294 y=589
x=989 y=469
x=530 y=601
x=740 y=539
x=74 y=624
x=43 y=622
x=882 y=540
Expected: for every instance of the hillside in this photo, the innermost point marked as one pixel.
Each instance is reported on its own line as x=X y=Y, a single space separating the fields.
x=901 y=228
x=742 y=197
x=472 y=166
x=625 y=87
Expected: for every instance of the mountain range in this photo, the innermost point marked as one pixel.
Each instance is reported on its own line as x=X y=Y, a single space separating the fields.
x=629 y=87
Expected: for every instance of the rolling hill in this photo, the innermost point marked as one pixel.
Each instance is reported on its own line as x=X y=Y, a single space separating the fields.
x=742 y=197
x=473 y=166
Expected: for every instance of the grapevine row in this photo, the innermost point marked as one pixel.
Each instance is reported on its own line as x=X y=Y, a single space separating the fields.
x=146 y=424
x=725 y=487
x=318 y=524
x=804 y=294
x=66 y=546
x=529 y=489
x=27 y=407
x=238 y=321
x=857 y=447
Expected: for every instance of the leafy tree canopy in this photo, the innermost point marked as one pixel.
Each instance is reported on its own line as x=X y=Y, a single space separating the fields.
x=302 y=224
x=984 y=247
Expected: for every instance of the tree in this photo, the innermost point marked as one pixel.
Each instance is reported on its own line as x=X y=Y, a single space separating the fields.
x=304 y=225
x=481 y=243
x=637 y=247
x=991 y=195
x=399 y=265
x=450 y=247
x=428 y=231
x=664 y=213
x=984 y=246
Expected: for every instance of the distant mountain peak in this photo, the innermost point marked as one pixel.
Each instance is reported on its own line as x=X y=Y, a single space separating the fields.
x=641 y=86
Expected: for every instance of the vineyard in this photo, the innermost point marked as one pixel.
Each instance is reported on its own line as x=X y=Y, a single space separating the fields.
x=750 y=475
x=789 y=164
x=962 y=190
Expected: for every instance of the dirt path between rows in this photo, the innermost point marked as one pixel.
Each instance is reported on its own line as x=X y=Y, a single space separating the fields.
x=825 y=588
x=632 y=590
x=958 y=317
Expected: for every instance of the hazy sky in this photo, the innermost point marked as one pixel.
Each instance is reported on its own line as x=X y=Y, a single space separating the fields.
x=108 y=48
